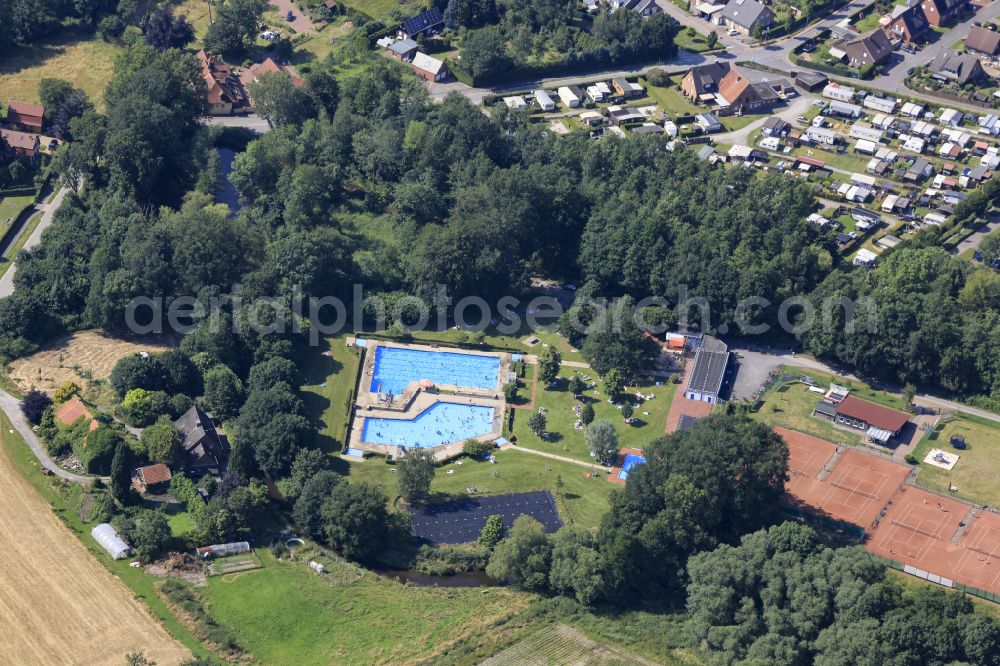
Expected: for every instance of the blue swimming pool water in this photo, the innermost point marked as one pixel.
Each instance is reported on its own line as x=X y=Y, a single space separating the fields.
x=395 y=368
x=441 y=423
x=631 y=460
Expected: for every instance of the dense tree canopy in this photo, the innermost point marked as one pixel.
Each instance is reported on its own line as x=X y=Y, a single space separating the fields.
x=781 y=596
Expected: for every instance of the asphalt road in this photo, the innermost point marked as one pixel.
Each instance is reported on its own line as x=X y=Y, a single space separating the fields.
x=251 y=121
x=11 y=407
x=49 y=211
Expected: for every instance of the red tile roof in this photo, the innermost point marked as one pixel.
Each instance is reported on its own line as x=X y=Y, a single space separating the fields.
x=19 y=140
x=872 y=414
x=153 y=474
x=23 y=113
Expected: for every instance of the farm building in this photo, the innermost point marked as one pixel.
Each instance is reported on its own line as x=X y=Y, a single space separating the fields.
x=109 y=540
x=151 y=478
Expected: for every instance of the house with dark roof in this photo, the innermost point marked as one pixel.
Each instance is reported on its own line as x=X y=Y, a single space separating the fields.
x=641 y=7
x=872 y=49
x=811 y=81
x=939 y=12
x=745 y=16
x=983 y=41
x=702 y=82
x=24 y=116
x=225 y=92
x=906 y=24
x=959 y=68
x=705 y=378
x=204 y=448
x=429 y=22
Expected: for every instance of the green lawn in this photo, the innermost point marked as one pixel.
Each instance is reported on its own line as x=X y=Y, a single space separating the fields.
x=560 y=416
x=671 y=100
x=696 y=43
x=868 y=23
x=582 y=502
x=733 y=123
x=8 y=254
x=180 y=523
x=284 y=614
x=328 y=387
x=791 y=405
x=11 y=207
x=977 y=469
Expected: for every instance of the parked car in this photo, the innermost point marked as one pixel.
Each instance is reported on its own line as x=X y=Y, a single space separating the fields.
x=802 y=119
x=289 y=16
x=733 y=33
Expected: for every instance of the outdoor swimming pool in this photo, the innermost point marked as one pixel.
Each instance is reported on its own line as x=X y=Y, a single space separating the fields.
x=441 y=423
x=395 y=368
x=631 y=460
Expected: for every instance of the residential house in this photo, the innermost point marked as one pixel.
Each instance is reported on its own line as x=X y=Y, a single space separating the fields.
x=939 y=12
x=983 y=41
x=951 y=117
x=774 y=126
x=14 y=144
x=265 y=67
x=989 y=124
x=26 y=117
x=428 y=22
x=151 y=478
x=204 y=448
x=624 y=115
x=224 y=89
x=921 y=169
x=705 y=379
x=905 y=24
x=640 y=7
x=701 y=83
x=599 y=92
x=515 y=102
x=959 y=68
x=738 y=95
x=888 y=242
x=746 y=16
x=912 y=109
x=403 y=49
x=591 y=118
x=428 y=68
x=872 y=49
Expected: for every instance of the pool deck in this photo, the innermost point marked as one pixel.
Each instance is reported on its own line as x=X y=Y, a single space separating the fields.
x=418 y=397
x=620 y=462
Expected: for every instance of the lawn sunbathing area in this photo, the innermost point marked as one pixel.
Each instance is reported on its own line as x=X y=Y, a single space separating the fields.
x=84 y=60
x=649 y=416
x=978 y=466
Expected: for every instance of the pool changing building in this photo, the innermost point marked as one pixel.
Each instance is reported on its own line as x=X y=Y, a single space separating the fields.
x=705 y=378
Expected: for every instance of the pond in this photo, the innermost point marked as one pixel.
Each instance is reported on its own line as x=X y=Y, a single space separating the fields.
x=227 y=193
x=467 y=579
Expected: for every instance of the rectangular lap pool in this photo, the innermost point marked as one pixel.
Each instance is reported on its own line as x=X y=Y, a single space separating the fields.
x=395 y=368
x=631 y=460
x=441 y=423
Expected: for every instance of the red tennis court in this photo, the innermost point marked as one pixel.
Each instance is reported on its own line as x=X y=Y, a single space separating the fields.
x=978 y=562
x=917 y=529
x=807 y=456
x=858 y=488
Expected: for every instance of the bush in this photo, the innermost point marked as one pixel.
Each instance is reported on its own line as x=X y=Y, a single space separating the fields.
x=448 y=560
x=477 y=449
x=911 y=459
x=34 y=405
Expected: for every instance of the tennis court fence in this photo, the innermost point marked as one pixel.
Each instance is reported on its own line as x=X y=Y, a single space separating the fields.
x=934 y=578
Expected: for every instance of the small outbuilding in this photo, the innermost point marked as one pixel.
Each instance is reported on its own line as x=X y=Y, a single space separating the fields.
x=109 y=540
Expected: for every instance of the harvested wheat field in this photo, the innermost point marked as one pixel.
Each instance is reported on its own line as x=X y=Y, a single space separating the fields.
x=58 y=605
x=88 y=355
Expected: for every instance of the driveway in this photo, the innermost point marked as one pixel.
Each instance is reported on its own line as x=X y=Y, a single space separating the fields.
x=49 y=210
x=12 y=408
x=741 y=136
x=300 y=22
x=973 y=241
